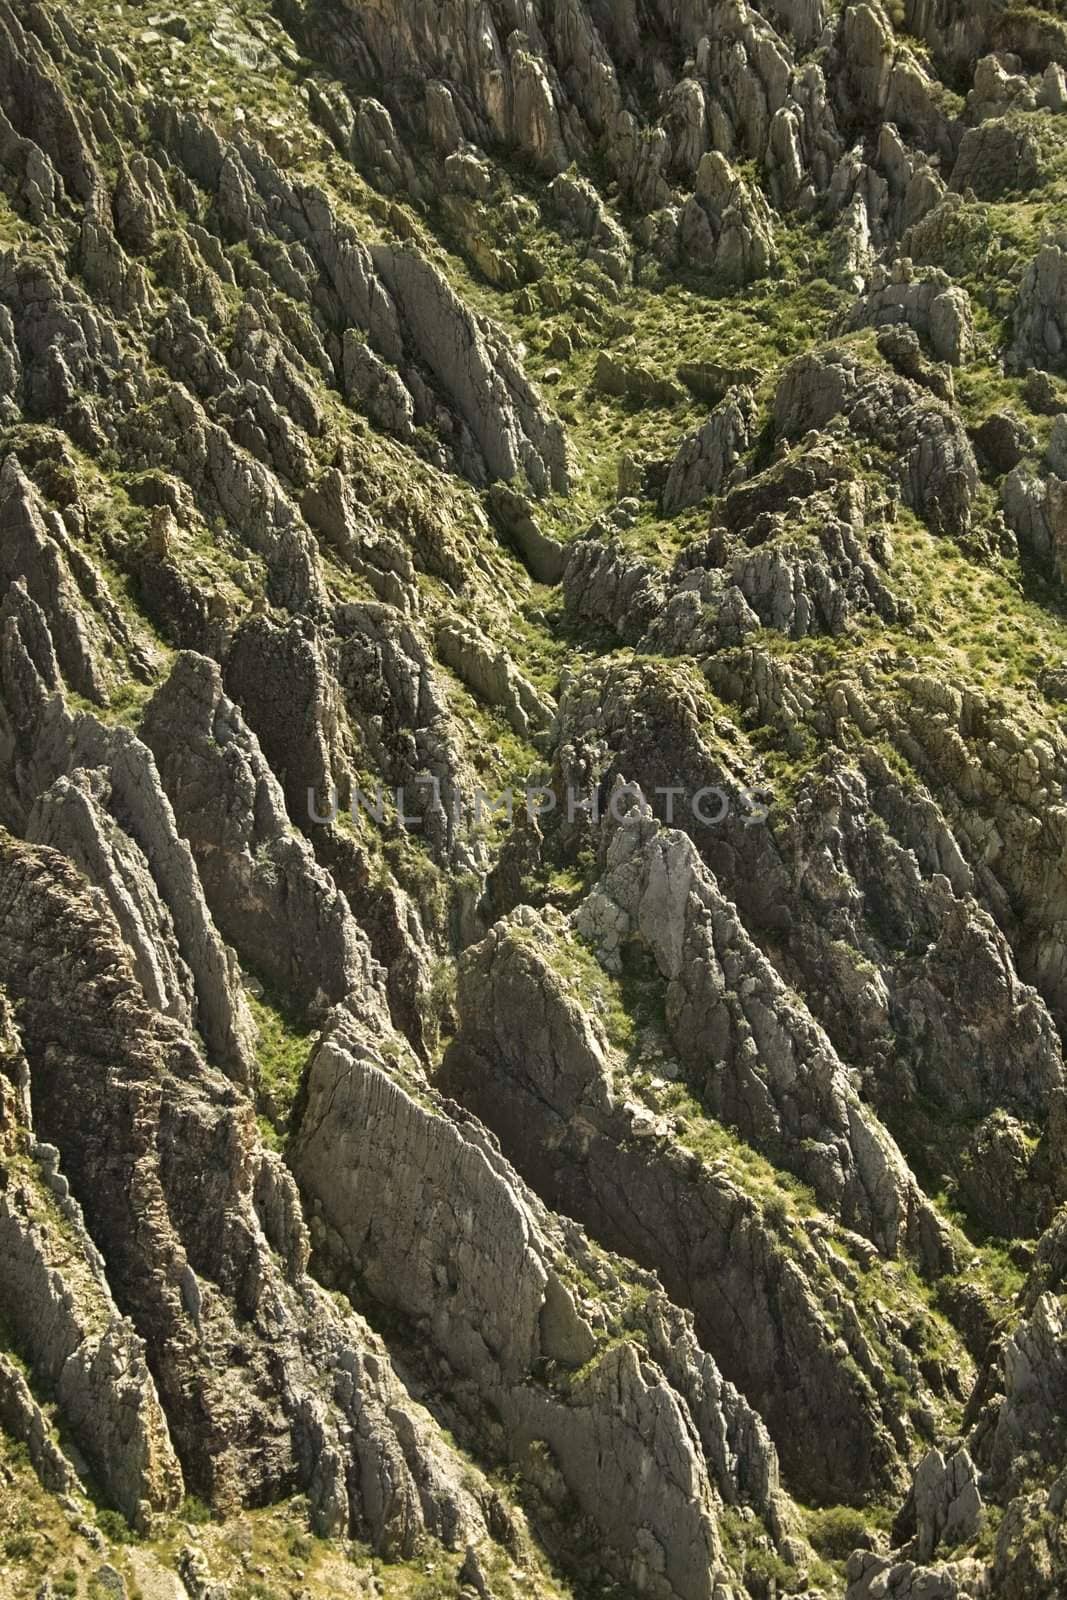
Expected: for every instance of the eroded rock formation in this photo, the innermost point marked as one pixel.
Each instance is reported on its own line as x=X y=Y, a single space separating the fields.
x=533 y=921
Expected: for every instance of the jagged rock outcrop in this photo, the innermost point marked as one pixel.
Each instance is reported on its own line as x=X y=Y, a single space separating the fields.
x=632 y=380
x=872 y=1577
x=609 y=1422
x=1002 y=441
x=472 y=362
x=205 y=1248
x=35 y=553
x=802 y=563
x=94 y=791
x=604 y=584
x=258 y=872
x=914 y=976
x=948 y=1503
x=73 y=815
x=56 y=1304
x=375 y=388
x=764 y=1295
x=705 y=459
x=724 y=227
x=996 y=159
x=1040 y=325
x=656 y=886
x=395 y=696
x=494 y=678
x=1035 y=508
x=932 y=306
x=581 y=208
x=23 y=1419
x=937 y=471
x=421 y=401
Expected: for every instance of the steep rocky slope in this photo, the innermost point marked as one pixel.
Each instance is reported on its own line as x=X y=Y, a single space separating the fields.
x=533 y=904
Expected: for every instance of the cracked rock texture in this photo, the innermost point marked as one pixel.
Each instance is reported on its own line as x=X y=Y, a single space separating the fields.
x=533 y=855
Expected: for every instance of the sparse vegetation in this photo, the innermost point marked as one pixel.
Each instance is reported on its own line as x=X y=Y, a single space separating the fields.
x=237 y=418
x=283 y=1046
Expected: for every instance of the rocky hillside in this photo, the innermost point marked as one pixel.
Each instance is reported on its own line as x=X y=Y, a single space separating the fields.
x=533 y=800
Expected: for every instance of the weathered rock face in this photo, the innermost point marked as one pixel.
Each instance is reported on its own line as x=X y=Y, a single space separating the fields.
x=706 y=459
x=257 y=871
x=656 y=888
x=629 y=1437
x=872 y=1575
x=996 y=159
x=801 y=549
x=34 y=555
x=1040 y=330
x=280 y=680
x=936 y=468
x=531 y=764
x=948 y=1503
x=724 y=227
x=396 y=697
x=214 y=1262
x=492 y=677
x=766 y=1297
x=1035 y=509
x=472 y=363
x=932 y=307
x=876 y=985
x=57 y=1307
x=94 y=792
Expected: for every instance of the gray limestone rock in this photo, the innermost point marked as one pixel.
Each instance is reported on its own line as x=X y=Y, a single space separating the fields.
x=74 y=815
x=396 y=695
x=33 y=551
x=206 y=1246
x=875 y=1577
x=273 y=295
x=997 y=159
x=1056 y=455
x=515 y=516
x=1036 y=510
x=610 y=1419
x=634 y=381
x=114 y=819
x=725 y=226
x=1004 y=439
x=23 y=1420
x=376 y=388
x=57 y=1305
x=1040 y=324
x=932 y=306
x=705 y=459
x=279 y=677
x=948 y=1502
x=752 y=1275
x=257 y=870
x=936 y=466
x=474 y=363
x=494 y=678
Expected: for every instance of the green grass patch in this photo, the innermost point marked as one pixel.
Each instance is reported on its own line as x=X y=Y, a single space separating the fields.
x=283 y=1045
